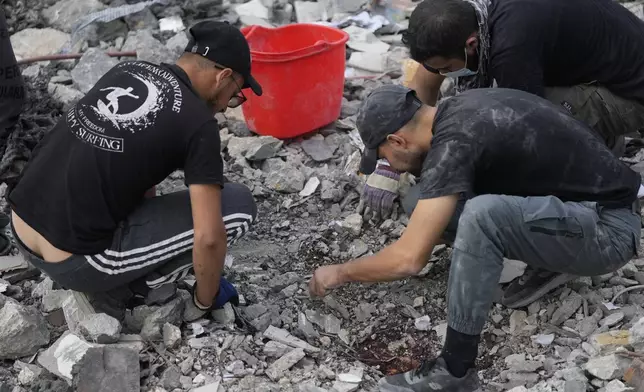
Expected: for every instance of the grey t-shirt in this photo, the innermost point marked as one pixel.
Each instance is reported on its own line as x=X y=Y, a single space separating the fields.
x=502 y=141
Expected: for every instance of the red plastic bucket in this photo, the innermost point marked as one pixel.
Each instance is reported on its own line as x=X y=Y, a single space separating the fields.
x=301 y=70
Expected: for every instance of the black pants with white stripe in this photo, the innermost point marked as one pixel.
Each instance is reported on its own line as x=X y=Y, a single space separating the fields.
x=154 y=244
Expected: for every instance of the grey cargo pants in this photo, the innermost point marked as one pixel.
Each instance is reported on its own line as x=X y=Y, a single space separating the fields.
x=609 y=115
x=582 y=239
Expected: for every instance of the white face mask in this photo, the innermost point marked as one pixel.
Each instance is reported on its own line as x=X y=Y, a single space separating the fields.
x=463 y=72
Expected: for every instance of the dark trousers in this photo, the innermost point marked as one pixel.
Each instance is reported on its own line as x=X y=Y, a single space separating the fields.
x=154 y=243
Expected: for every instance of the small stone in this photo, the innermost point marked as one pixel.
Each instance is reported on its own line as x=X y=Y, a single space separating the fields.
x=286 y=179
x=608 y=342
x=214 y=387
x=607 y=368
x=618 y=386
x=169 y=313
x=171 y=335
x=423 y=323
x=275 y=349
x=339 y=386
x=23 y=330
x=575 y=386
x=332 y=324
x=53 y=300
x=107 y=368
x=353 y=377
x=63 y=14
x=254 y=311
x=519 y=389
x=161 y=295
x=325 y=341
x=225 y=315
x=517 y=321
x=186 y=366
x=177 y=44
x=90 y=68
x=42 y=288
x=171 y=378
x=333 y=303
x=281 y=281
x=418 y=302
x=305 y=327
x=353 y=224
x=276 y=370
x=317 y=148
x=284 y=337
x=100 y=328
x=518 y=363
x=147 y=47
x=358 y=248
x=29 y=373
x=572 y=374
x=567 y=308
x=512 y=269
x=31 y=42
x=324 y=372
x=543 y=339
x=612 y=319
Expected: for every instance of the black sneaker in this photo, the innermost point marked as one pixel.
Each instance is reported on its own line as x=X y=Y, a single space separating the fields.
x=429 y=377
x=532 y=285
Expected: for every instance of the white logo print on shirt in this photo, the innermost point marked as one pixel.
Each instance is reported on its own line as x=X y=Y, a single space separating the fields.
x=132 y=106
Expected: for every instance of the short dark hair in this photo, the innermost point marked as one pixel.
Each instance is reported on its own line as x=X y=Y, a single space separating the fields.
x=440 y=28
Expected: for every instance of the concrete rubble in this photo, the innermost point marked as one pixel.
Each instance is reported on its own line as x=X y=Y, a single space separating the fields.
x=578 y=338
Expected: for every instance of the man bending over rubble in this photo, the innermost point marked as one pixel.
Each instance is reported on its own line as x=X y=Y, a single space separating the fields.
x=583 y=55
x=546 y=191
x=79 y=212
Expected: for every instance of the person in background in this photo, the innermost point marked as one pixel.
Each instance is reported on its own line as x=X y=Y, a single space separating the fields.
x=583 y=220
x=79 y=211
x=12 y=100
x=582 y=55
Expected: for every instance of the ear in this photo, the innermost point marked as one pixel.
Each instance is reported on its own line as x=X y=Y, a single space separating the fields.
x=472 y=43
x=397 y=141
x=224 y=74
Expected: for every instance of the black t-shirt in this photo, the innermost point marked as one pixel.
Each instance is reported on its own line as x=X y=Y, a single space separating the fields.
x=503 y=141
x=137 y=125
x=542 y=43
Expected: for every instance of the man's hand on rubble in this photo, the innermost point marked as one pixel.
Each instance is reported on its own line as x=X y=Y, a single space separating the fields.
x=379 y=193
x=325 y=278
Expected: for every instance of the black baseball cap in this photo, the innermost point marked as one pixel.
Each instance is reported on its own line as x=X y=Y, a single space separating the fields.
x=385 y=110
x=226 y=45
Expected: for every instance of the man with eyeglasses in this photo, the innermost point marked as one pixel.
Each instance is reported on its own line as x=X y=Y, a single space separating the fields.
x=79 y=212
x=583 y=55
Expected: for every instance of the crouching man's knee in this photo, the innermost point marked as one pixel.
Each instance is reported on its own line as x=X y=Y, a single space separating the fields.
x=239 y=210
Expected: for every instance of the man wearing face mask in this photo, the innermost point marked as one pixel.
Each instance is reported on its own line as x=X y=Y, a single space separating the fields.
x=79 y=212
x=583 y=55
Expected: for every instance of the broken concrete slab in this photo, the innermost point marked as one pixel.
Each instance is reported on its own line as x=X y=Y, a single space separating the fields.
x=254 y=148
x=568 y=307
x=169 y=313
x=282 y=336
x=277 y=369
x=607 y=367
x=147 y=47
x=38 y=42
x=61 y=356
x=512 y=269
x=364 y=41
x=63 y=14
x=90 y=68
x=100 y=328
x=171 y=335
x=23 y=330
x=107 y=369
x=64 y=94
x=317 y=148
x=309 y=11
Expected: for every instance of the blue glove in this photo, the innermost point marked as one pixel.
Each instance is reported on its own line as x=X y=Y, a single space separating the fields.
x=226 y=293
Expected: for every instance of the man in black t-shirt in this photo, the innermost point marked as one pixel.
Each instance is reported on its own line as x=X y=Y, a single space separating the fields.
x=79 y=212
x=544 y=189
x=583 y=55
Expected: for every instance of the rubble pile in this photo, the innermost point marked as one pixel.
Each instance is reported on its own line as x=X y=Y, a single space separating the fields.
x=585 y=336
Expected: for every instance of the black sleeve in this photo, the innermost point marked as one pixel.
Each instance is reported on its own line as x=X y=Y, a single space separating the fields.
x=448 y=168
x=204 y=164
x=516 y=53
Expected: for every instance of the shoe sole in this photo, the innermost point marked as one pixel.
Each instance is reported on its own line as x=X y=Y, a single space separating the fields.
x=540 y=292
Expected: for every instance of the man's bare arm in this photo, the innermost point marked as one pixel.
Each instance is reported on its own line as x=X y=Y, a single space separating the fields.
x=210 y=241
x=407 y=256
x=427 y=85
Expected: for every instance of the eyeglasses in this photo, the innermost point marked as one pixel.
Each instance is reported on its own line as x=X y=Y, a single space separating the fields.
x=239 y=98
